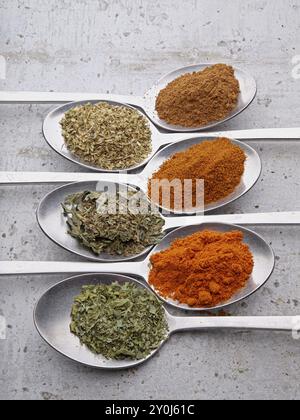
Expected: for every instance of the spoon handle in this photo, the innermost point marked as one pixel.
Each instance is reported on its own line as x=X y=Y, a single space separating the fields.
x=14 y=178
x=262 y=134
x=282 y=323
x=8 y=268
x=280 y=218
x=64 y=97
x=252 y=134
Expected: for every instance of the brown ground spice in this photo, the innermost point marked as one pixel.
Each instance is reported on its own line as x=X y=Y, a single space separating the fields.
x=200 y=98
x=204 y=269
x=220 y=163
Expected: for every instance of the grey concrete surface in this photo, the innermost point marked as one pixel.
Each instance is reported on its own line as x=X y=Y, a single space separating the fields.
x=122 y=46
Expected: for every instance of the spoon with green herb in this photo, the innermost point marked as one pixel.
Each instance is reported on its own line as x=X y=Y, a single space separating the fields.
x=115 y=322
x=108 y=222
x=121 y=224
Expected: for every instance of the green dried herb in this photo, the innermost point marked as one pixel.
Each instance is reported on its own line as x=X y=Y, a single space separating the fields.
x=110 y=137
x=120 y=224
x=119 y=321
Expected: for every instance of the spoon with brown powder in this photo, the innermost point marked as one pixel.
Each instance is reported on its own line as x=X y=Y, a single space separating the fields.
x=225 y=90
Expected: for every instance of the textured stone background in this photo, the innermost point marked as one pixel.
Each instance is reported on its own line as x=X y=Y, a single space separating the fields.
x=123 y=46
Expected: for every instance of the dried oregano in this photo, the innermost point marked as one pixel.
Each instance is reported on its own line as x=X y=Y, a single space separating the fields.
x=120 y=224
x=119 y=321
x=110 y=137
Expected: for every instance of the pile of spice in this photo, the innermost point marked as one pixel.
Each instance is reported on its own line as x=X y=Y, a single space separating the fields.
x=118 y=224
x=200 y=98
x=119 y=321
x=110 y=137
x=202 y=270
x=220 y=163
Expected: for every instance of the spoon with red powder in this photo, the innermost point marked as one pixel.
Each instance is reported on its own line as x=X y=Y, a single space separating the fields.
x=226 y=261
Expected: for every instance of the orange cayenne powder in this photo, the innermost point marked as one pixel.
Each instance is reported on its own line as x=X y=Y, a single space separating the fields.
x=204 y=269
x=220 y=163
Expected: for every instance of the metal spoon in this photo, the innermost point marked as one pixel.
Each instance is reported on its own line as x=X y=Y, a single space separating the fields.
x=53 y=134
x=264 y=262
x=251 y=175
x=52 y=320
x=53 y=223
x=147 y=103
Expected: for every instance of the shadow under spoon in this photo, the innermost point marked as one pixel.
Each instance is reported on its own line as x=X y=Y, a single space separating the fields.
x=52 y=320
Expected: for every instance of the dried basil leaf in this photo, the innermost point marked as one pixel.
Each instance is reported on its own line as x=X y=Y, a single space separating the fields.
x=119 y=321
x=110 y=137
x=113 y=224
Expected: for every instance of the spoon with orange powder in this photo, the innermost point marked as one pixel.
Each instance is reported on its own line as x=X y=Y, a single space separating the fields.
x=248 y=257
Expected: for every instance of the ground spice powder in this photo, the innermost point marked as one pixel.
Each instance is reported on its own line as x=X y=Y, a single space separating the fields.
x=220 y=163
x=204 y=269
x=200 y=98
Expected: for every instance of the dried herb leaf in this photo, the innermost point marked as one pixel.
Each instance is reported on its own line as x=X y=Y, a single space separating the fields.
x=119 y=321
x=110 y=137
x=112 y=224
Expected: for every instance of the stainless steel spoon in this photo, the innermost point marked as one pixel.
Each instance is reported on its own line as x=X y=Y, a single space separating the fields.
x=52 y=320
x=251 y=175
x=147 y=103
x=53 y=134
x=264 y=262
x=53 y=223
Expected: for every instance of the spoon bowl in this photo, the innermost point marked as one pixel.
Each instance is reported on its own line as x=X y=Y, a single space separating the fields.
x=252 y=172
x=53 y=135
x=263 y=255
x=51 y=219
x=52 y=319
x=248 y=89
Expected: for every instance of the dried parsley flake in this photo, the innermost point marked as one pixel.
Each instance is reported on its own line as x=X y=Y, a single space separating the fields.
x=121 y=224
x=110 y=137
x=119 y=321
